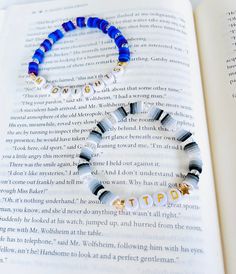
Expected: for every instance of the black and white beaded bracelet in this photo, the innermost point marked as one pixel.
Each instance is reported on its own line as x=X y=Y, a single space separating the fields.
x=146 y=200
x=88 y=89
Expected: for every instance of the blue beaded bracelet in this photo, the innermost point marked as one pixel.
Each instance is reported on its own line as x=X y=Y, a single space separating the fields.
x=145 y=201
x=88 y=89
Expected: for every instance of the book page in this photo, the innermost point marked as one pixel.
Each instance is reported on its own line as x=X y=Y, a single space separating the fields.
x=2 y=16
x=49 y=220
x=216 y=21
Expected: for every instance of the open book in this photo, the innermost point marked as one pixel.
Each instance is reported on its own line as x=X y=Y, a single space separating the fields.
x=49 y=222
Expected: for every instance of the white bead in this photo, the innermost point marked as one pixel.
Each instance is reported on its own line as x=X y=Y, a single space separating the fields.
x=145 y=201
x=76 y=92
x=39 y=81
x=117 y=72
x=174 y=195
x=109 y=79
x=65 y=92
x=87 y=90
x=131 y=204
x=160 y=198
x=98 y=85
x=47 y=87
x=55 y=92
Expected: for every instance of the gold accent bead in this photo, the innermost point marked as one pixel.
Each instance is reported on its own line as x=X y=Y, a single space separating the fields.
x=32 y=76
x=117 y=69
x=184 y=188
x=121 y=64
x=119 y=204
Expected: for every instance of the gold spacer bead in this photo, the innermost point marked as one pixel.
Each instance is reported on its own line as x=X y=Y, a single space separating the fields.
x=32 y=76
x=121 y=64
x=119 y=204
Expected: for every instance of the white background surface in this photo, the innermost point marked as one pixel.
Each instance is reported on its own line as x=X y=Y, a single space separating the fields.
x=6 y=3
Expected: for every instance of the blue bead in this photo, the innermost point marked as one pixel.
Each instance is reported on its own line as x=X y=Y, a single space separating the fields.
x=39 y=55
x=53 y=36
x=124 y=54
x=120 y=40
x=112 y=31
x=59 y=34
x=33 y=68
x=46 y=44
x=56 y=35
x=90 y=22
x=102 y=26
x=80 y=21
x=93 y=22
x=124 y=50
x=97 y=22
x=68 y=26
x=124 y=58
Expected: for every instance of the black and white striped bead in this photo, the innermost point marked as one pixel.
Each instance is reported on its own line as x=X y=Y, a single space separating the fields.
x=86 y=153
x=155 y=113
x=94 y=137
x=182 y=135
x=168 y=122
x=84 y=169
x=119 y=114
x=105 y=125
x=145 y=201
x=95 y=186
x=191 y=179
x=136 y=107
x=192 y=149
x=195 y=164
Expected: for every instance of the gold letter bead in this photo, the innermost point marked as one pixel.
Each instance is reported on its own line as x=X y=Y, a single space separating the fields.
x=55 y=92
x=109 y=79
x=174 y=195
x=65 y=92
x=98 y=85
x=160 y=198
x=145 y=201
x=131 y=204
x=87 y=90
